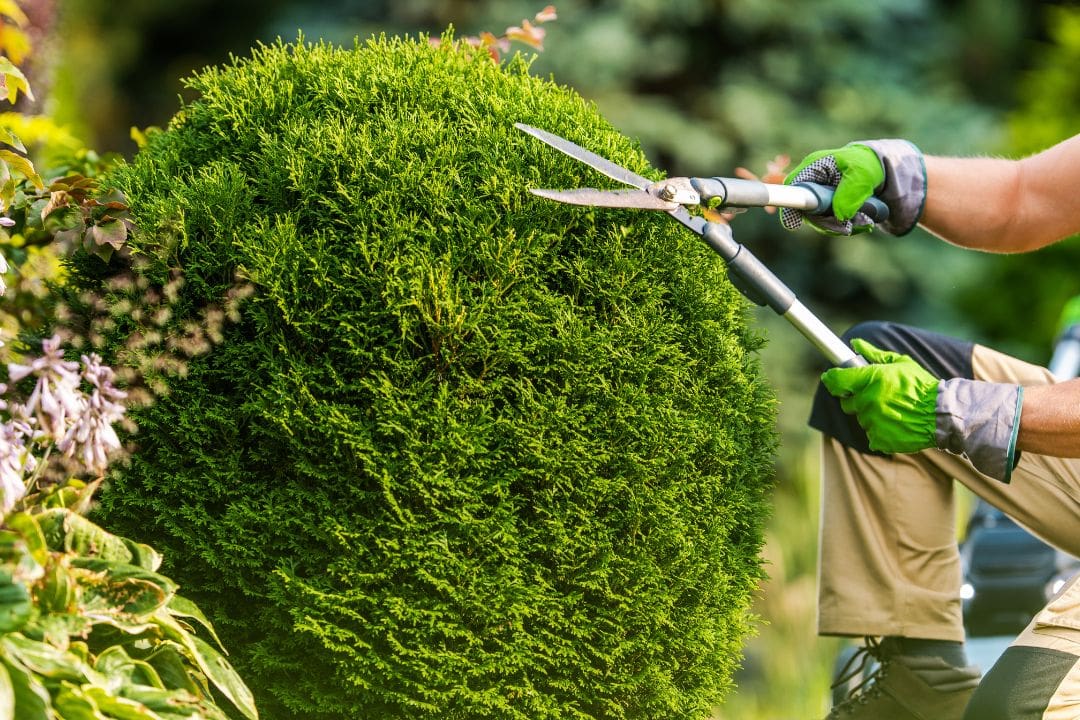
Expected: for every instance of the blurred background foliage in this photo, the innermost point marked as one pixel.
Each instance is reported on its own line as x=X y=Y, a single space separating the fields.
x=705 y=85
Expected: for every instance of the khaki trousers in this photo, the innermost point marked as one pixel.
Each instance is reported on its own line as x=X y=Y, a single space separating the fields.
x=889 y=562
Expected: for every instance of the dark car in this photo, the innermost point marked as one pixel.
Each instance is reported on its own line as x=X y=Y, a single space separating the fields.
x=1009 y=574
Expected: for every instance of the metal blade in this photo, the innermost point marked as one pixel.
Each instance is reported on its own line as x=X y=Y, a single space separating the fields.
x=636 y=199
x=616 y=172
x=613 y=171
x=696 y=223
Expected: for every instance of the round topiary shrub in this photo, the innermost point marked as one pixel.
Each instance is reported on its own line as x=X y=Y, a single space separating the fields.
x=467 y=453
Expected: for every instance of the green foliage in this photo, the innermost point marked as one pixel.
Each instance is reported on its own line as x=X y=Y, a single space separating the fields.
x=90 y=630
x=467 y=453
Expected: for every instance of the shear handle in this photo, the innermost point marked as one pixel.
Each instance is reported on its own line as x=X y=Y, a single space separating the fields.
x=811 y=198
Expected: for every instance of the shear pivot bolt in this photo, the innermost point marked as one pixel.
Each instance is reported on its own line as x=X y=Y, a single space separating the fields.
x=668 y=192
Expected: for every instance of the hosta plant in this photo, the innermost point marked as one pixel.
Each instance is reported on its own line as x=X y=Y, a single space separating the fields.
x=89 y=629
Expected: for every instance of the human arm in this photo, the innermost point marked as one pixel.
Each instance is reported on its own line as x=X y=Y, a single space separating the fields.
x=990 y=204
x=1050 y=420
x=1005 y=206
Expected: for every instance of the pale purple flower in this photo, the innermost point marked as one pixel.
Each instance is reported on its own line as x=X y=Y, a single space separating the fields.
x=16 y=462
x=90 y=434
x=56 y=397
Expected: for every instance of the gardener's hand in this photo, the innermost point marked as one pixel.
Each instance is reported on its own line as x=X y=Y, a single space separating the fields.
x=893 y=399
x=903 y=409
x=893 y=170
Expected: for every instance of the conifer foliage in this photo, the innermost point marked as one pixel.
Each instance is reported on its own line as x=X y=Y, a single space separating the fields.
x=467 y=453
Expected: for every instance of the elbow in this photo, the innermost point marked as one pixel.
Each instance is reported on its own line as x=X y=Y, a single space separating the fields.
x=1034 y=212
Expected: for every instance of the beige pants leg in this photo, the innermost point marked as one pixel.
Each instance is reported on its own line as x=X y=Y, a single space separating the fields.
x=889 y=563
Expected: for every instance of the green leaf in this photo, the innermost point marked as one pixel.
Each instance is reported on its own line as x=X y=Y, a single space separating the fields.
x=17 y=563
x=216 y=668
x=28 y=527
x=142 y=555
x=168 y=658
x=46 y=660
x=72 y=704
x=22 y=164
x=7 y=695
x=57 y=591
x=119 y=707
x=67 y=531
x=16 y=606
x=61 y=219
x=114 y=662
x=32 y=700
x=182 y=607
x=10 y=138
x=58 y=628
x=173 y=702
x=133 y=598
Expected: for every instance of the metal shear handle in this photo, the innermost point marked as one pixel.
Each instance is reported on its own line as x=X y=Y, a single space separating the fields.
x=809 y=197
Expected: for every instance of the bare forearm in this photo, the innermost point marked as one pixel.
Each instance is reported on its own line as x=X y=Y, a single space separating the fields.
x=1050 y=420
x=964 y=200
x=1002 y=205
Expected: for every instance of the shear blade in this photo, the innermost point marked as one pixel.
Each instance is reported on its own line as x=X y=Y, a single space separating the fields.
x=613 y=171
x=635 y=199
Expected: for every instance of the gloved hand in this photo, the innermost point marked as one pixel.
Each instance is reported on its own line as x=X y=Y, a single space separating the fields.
x=903 y=409
x=893 y=399
x=893 y=170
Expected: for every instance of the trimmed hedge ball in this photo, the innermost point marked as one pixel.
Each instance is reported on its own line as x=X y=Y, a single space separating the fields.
x=467 y=453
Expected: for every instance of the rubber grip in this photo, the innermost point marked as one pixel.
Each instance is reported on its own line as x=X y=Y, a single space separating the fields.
x=873 y=208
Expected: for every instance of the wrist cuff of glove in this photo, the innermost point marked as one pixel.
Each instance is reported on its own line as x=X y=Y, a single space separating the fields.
x=980 y=420
x=905 y=183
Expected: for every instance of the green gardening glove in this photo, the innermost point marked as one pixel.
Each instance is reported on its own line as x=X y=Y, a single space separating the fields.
x=855 y=171
x=892 y=170
x=893 y=398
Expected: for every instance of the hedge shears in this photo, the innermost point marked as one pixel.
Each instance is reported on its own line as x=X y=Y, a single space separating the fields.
x=673 y=195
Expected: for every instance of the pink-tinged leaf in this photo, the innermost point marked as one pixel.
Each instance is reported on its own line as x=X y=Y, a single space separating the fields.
x=112 y=233
x=528 y=34
x=546 y=15
x=489 y=40
x=776 y=169
x=57 y=199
